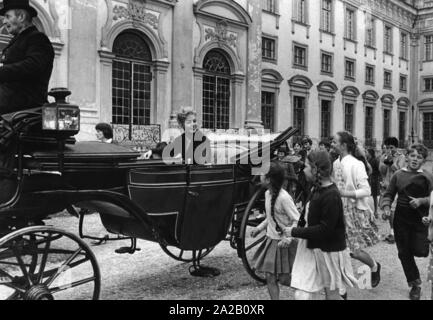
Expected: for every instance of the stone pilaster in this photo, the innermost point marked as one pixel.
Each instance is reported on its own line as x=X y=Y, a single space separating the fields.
x=182 y=68
x=414 y=86
x=82 y=54
x=105 y=96
x=254 y=73
x=160 y=108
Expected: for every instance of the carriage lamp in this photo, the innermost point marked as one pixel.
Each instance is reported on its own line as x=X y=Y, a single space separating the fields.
x=61 y=116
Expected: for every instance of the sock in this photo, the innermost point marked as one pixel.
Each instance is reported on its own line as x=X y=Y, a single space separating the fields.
x=374 y=269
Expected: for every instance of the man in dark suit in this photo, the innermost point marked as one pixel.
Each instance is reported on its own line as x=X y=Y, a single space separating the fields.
x=26 y=62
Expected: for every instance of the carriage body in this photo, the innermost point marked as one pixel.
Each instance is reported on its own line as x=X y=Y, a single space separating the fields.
x=189 y=207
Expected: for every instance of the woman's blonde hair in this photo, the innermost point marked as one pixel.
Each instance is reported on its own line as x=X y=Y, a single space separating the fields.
x=184 y=112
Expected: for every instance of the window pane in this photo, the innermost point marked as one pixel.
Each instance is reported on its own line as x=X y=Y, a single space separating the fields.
x=268 y=110
x=299 y=114
x=325 y=119
x=121 y=92
x=348 y=117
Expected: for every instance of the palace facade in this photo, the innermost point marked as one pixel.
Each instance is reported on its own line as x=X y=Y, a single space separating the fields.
x=321 y=65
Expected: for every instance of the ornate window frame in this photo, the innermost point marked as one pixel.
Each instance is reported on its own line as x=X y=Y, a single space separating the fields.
x=349 y=95
x=326 y=92
x=271 y=81
x=159 y=70
x=370 y=98
x=300 y=86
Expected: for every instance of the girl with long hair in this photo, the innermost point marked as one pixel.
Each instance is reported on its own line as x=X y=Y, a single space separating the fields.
x=351 y=179
x=275 y=256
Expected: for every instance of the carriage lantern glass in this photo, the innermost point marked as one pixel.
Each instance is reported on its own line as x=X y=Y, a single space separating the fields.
x=61 y=116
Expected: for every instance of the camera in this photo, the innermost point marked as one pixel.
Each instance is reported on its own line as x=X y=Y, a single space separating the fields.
x=388 y=160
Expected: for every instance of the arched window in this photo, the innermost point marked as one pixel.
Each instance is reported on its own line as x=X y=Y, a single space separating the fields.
x=216 y=91
x=132 y=80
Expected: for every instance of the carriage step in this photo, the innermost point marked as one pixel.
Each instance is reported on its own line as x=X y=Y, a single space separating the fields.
x=123 y=250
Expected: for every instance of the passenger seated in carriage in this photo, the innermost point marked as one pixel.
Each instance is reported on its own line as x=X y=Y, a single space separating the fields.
x=192 y=146
x=104 y=132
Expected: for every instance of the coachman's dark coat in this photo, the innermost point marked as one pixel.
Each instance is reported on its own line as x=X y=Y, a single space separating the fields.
x=26 y=71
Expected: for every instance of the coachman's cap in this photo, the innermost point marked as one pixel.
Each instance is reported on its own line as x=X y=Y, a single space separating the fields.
x=17 y=4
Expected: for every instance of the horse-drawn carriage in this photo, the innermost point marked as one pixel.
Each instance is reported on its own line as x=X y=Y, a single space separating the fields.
x=187 y=209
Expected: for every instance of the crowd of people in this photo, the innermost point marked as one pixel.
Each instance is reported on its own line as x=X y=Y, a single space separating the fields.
x=349 y=188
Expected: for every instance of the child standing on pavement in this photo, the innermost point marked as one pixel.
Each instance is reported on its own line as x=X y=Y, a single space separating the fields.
x=322 y=260
x=275 y=256
x=410 y=232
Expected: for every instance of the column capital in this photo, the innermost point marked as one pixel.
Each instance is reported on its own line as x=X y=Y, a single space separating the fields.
x=198 y=71
x=161 y=65
x=58 y=47
x=106 y=56
x=238 y=78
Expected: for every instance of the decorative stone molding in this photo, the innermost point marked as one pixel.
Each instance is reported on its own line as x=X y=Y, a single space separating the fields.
x=350 y=91
x=240 y=15
x=220 y=34
x=271 y=75
x=387 y=100
x=224 y=32
x=301 y=82
x=238 y=78
x=395 y=12
x=136 y=12
x=136 y=15
x=370 y=95
x=425 y=103
x=327 y=87
x=232 y=56
x=156 y=46
x=403 y=102
x=106 y=57
x=58 y=47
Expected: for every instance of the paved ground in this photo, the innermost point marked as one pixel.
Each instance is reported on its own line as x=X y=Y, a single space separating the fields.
x=150 y=274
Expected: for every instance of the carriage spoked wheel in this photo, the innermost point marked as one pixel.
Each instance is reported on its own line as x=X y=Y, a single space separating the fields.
x=255 y=213
x=185 y=255
x=45 y=263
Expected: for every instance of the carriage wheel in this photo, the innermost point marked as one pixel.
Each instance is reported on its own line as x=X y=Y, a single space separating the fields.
x=185 y=255
x=45 y=263
x=254 y=215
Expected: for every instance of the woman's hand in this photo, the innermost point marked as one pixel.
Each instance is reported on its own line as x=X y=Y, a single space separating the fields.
x=285 y=243
x=255 y=232
x=426 y=221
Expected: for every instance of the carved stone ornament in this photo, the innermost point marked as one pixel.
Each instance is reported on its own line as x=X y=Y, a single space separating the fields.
x=135 y=12
x=221 y=34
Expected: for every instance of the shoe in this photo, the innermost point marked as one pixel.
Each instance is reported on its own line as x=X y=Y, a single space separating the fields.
x=390 y=239
x=375 y=276
x=344 y=296
x=415 y=293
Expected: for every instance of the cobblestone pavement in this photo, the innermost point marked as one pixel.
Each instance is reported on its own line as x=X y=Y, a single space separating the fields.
x=151 y=274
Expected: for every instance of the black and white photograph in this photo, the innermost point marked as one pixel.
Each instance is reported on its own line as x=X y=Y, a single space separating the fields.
x=216 y=154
